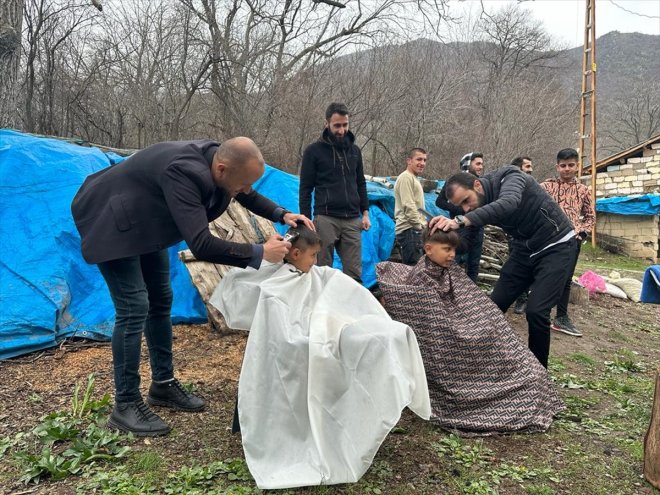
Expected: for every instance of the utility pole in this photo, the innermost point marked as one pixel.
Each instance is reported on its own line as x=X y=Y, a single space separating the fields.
x=588 y=103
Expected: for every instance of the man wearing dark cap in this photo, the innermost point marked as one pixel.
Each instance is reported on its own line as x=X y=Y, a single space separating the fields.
x=472 y=238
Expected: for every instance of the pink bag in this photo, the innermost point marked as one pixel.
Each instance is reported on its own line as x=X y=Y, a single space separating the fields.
x=592 y=282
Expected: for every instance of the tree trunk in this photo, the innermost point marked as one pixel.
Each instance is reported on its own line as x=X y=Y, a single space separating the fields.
x=11 y=17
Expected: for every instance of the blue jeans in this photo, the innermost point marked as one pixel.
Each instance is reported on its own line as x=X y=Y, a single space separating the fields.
x=410 y=242
x=142 y=295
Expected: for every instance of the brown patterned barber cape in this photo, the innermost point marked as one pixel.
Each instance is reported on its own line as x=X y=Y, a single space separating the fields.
x=482 y=379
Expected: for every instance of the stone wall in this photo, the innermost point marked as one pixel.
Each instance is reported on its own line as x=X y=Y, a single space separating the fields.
x=632 y=235
x=637 y=176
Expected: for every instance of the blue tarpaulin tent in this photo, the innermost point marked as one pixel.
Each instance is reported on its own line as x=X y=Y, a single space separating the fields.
x=48 y=292
x=647 y=204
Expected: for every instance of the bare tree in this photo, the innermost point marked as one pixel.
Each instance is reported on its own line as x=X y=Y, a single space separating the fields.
x=48 y=25
x=634 y=119
x=11 y=16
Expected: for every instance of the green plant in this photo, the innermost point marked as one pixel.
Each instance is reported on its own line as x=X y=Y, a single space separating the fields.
x=478 y=487
x=458 y=451
x=146 y=462
x=521 y=473
x=72 y=439
x=539 y=490
x=555 y=365
x=94 y=445
x=568 y=380
x=189 y=387
x=623 y=364
x=581 y=358
x=84 y=405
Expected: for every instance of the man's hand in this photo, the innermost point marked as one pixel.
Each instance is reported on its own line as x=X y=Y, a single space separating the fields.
x=442 y=223
x=290 y=219
x=366 y=223
x=275 y=248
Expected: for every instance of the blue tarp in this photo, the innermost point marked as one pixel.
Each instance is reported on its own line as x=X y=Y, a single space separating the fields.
x=376 y=243
x=648 y=204
x=48 y=292
x=651 y=285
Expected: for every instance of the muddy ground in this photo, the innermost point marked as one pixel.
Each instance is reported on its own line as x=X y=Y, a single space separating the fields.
x=584 y=459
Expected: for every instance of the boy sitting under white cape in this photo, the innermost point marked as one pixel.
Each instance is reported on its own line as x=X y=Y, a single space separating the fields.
x=326 y=371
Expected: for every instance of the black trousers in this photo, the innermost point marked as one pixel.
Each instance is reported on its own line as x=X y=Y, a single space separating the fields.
x=562 y=305
x=545 y=276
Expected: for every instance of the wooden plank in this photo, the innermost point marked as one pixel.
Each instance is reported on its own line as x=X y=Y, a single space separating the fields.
x=237 y=225
x=652 y=439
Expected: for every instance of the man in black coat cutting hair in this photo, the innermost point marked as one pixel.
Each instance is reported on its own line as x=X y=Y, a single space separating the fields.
x=128 y=215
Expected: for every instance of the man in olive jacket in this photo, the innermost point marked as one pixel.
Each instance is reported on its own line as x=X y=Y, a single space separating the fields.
x=128 y=215
x=542 y=246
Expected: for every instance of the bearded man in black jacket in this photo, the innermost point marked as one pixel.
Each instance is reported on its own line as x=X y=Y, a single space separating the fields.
x=128 y=215
x=332 y=169
x=541 y=247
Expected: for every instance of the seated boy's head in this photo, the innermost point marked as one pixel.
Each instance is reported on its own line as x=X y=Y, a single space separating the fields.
x=305 y=246
x=440 y=246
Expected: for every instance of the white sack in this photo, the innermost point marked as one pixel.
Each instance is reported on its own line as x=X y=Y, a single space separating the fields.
x=325 y=376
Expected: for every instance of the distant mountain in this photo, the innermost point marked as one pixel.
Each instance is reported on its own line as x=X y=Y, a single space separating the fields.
x=624 y=61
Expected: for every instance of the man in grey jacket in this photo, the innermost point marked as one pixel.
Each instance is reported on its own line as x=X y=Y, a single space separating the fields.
x=540 y=232
x=128 y=215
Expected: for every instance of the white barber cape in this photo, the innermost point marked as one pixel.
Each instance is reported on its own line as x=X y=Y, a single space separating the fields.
x=325 y=376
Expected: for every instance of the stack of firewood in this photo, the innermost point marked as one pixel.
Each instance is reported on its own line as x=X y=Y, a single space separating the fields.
x=493 y=255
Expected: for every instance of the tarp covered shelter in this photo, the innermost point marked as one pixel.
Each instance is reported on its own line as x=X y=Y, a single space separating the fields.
x=48 y=292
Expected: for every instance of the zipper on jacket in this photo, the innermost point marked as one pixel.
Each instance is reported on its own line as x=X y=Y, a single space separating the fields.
x=547 y=216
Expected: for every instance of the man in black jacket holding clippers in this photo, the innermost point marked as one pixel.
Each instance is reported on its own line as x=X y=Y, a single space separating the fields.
x=540 y=231
x=128 y=215
x=332 y=168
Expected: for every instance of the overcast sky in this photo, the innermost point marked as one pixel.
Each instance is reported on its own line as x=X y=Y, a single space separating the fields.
x=564 y=19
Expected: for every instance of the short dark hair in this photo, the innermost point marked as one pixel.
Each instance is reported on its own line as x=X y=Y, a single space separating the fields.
x=441 y=237
x=412 y=152
x=463 y=179
x=476 y=155
x=304 y=237
x=518 y=161
x=567 y=154
x=334 y=108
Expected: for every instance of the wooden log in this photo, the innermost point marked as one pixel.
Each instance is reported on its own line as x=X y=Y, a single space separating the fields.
x=652 y=439
x=579 y=295
x=237 y=225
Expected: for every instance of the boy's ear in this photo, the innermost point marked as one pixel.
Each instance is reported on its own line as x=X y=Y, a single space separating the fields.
x=427 y=248
x=294 y=253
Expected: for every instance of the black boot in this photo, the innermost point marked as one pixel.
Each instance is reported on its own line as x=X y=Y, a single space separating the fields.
x=136 y=417
x=172 y=394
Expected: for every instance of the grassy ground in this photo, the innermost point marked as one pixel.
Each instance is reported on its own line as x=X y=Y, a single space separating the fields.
x=602 y=262
x=52 y=439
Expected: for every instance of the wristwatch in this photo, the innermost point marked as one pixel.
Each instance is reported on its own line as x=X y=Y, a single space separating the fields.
x=460 y=220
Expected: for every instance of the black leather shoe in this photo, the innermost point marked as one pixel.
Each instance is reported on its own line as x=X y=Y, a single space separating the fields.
x=172 y=394
x=136 y=418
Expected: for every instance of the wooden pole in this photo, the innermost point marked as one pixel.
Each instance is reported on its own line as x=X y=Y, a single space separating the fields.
x=583 y=102
x=589 y=92
x=593 y=116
